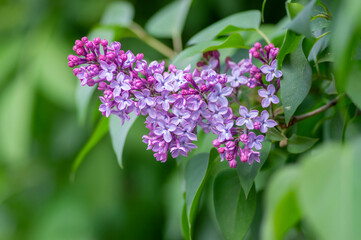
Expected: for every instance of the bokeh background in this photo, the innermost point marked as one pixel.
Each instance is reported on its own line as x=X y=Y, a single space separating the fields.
x=40 y=133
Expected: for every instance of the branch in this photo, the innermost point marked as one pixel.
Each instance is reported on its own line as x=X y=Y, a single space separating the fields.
x=298 y=118
x=263 y=36
x=154 y=43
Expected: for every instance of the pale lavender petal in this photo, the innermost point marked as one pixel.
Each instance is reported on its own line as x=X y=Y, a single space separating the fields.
x=271 y=89
x=265 y=102
x=263 y=93
x=269 y=77
x=274 y=99
x=266 y=69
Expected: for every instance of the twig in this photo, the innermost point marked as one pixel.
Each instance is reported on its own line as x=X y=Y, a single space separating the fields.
x=263 y=36
x=154 y=43
x=177 y=42
x=298 y=118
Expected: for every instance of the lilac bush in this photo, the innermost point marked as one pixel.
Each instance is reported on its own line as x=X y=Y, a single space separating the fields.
x=179 y=102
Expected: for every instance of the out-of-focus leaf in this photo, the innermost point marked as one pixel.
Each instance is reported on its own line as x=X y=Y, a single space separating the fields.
x=169 y=21
x=235 y=40
x=282 y=209
x=118 y=134
x=247 y=173
x=10 y=50
x=301 y=22
x=118 y=13
x=353 y=129
x=263 y=5
x=345 y=36
x=296 y=82
x=84 y=93
x=99 y=132
x=299 y=144
x=353 y=87
x=293 y=9
x=233 y=211
x=244 y=20
x=289 y=45
x=330 y=193
x=185 y=224
x=195 y=177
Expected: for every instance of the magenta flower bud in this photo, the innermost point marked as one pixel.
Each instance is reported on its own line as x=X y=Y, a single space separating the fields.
x=252 y=50
x=243 y=138
x=267 y=48
x=192 y=91
x=222 y=79
x=71 y=64
x=90 y=82
x=76 y=71
x=257 y=45
x=79 y=43
x=244 y=158
x=80 y=52
x=97 y=41
x=102 y=57
x=89 y=44
x=230 y=156
x=256 y=54
x=84 y=39
x=233 y=163
x=75 y=48
x=138 y=84
x=102 y=86
x=204 y=88
x=150 y=79
x=216 y=143
x=221 y=149
x=70 y=57
x=230 y=145
x=104 y=43
x=90 y=57
x=110 y=56
x=188 y=77
x=184 y=92
x=172 y=68
x=108 y=94
x=123 y=57
x=258 y=76
x=271 y=45
x=140 y=56
x=257 y=125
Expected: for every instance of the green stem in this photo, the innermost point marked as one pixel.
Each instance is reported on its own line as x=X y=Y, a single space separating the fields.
x=177 y=42
x=152 y=42
x=263 y=36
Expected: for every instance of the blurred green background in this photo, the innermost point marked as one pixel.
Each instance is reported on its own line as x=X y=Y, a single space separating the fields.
x=40 y=134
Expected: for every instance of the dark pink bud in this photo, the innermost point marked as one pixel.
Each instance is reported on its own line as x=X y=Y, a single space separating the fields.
x=80 y=52
x=172 y=68
x=102 y=86
x=70 y=57
x=267 y=48
x=192 y=91
x=84 y=39
x=110 y=56
x=90 y=57
x=102 y=57
x=89 y=44
x=271 y=45
x=203 y=88
x=256 y=54
x=229 y=156
x=140 y=56
x=258 y=76
x=75 y=48
x=123 y=57
x=257 y=125
x=151 y=79
x=221 y=149
x=97 y=41
x=216 y=143
x=76 y=71
x=90 y=82
x=108 y=94
x=184 y=92
x=138 y=84
x=252 y=50
x=104 y=43
x=233 y=163
x=230 y=145
x=258 y=45
x=188 y=77
x=79 y=43
x=243 y=138
x=71 y=64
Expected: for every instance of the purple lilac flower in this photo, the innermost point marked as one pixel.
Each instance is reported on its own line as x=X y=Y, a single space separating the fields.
x=82 y=75
x=180 y=116
x=265 y=122
x=224 y=130
x=237 y=79
x=217 y=112
x=254 y=141
x=123 y=100
x=268 y=96
x=187 y=131
x=107 y=71
x=253 y=156
x=163 y=83
x=165 y=129
x=271 y=71
x=130 y=59
x=121 y=83
x=165 y=99
x=144 y=98
x=219 y=94
x=106 y=106
x=246 y=117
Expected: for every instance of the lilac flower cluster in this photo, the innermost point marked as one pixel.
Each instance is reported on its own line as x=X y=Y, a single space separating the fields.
x=176 y=102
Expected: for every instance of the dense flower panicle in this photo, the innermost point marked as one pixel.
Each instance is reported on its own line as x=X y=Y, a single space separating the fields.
x=178 y=101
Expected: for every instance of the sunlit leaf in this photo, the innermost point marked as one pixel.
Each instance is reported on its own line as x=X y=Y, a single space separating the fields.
x=118 y=134
x=244 y=20
x=296 y=81
x=247 y=173
x=289 y=45
x=169 y=21
x=233 y=211
x=118 y=13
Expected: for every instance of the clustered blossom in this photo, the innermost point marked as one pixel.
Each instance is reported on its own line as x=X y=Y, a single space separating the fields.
x=177 y=102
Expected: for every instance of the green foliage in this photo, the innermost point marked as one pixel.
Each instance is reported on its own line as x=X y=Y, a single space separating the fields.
x=296 y=82
x=118 y=14
x=298 y=144
x=234 y=211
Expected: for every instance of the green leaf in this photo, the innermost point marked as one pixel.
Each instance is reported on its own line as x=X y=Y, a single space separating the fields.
x=247 y=173
x=244 y=20
x=169 y=21
x=185 y=224
x=353 y=129
x=296 y=82
x=118 y=14
x=346 y=35
x=234 y=212
x=330 y=193
x=353 y=87
x=289 y=45
x=195 y=177
x=193 y=53
x=293 y=9
x=301 y=23
x=263 y=5
x=299 y=144
x=118 y=134
x=281 y=206
x=275 y=135
x=99 y=132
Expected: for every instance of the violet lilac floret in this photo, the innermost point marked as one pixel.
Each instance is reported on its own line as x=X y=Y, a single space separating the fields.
x=177 y=102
